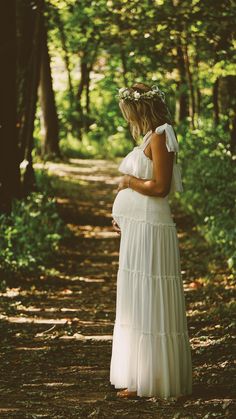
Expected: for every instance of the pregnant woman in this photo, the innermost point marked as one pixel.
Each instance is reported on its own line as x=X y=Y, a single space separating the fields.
x=151 y=354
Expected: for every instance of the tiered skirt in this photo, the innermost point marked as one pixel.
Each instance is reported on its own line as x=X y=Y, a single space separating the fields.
x=150 y=349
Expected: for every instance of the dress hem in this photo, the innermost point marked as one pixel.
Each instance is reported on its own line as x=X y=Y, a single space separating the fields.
x=160 y=276
x=141 y=220
x=143 y=332
x=144 y=394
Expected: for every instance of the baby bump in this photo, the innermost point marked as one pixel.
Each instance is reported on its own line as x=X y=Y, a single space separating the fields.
x=131 y=204
x=120 y=204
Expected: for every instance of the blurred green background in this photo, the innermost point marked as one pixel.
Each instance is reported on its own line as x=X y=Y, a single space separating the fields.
x=71 y=58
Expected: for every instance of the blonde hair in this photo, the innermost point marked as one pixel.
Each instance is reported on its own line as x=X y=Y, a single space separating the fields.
x=145 y=114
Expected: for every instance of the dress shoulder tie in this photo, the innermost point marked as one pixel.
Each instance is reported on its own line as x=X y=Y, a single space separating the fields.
x=171 y=141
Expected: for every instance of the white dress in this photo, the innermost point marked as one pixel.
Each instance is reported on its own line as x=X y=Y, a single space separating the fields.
x=150 y=348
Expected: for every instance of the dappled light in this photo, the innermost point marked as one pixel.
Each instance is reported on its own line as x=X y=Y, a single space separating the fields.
x=59 y=325
x=85 y=84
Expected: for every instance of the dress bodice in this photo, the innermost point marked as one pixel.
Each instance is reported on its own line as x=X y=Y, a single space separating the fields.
x=137 y=164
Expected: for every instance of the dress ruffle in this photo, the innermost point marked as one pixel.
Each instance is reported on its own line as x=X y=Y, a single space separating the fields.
x=151 y=364
x=137 y=164
x=150 y=349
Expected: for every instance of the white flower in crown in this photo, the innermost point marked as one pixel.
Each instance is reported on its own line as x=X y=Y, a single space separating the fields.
x=125 y=93
x=122 y=89
x=149 y=94
x=136 y=95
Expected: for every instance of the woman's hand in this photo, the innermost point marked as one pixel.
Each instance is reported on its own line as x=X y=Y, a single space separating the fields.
x=116 y=227
x=124 y=183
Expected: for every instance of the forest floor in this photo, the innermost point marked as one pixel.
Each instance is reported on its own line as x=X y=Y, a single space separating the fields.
x=56 y=329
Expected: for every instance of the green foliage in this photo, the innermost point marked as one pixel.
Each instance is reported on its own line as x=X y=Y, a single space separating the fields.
x=31 y=234
x=112 y=44
x=97 y=144
x=209 y=174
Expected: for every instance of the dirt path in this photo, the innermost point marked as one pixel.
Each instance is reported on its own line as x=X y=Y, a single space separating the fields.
x=56 y=331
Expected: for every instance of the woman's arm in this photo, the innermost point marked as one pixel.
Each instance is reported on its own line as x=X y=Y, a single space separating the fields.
x=162 y=170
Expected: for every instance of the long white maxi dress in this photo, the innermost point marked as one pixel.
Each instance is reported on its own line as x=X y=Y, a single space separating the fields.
x=150 y=348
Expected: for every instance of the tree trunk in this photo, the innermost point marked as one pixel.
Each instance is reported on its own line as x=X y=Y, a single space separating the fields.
x=216 y=101
x=233 y=135
x=86 y=65
x=183 y=95
x=83 y=75
x=196 y=72
x=29 y=180
x=87 y=106
x=25 y=28
x=66 y=55
x=30 y=85
x=183 y=110
x=10 y=186
x=82 y=85
x=47 y=100
x=190 y=82
x=198 y=100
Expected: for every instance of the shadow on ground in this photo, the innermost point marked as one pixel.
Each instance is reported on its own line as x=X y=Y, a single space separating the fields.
x=56 y=330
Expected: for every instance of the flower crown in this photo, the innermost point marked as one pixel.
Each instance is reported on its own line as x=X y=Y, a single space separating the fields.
x=126 y=94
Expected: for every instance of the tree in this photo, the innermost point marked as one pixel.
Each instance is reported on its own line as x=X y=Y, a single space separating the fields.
x=47 y=100
x=10 y=186
x=30 y=17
